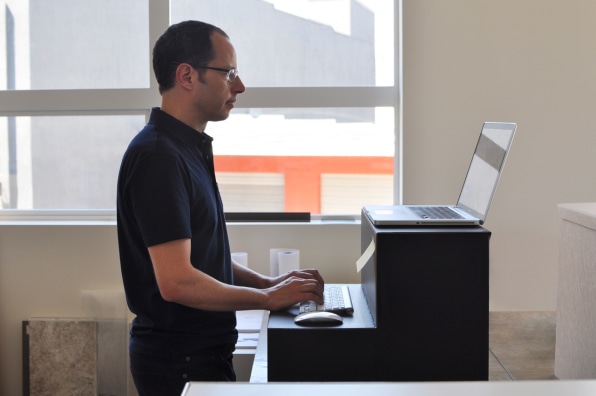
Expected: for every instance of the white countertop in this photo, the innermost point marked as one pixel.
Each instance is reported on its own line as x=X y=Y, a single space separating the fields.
x=580 y=213
x=505 y=388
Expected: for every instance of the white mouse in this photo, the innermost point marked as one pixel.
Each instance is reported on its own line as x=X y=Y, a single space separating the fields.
x=319 y=318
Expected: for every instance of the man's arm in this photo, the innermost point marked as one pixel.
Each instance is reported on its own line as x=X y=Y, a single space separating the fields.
x=180 y=282
x=244 y=276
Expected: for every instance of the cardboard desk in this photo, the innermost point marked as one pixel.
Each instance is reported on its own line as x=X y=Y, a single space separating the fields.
x=421 y=314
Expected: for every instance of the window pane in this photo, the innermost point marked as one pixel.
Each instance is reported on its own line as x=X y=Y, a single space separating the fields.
x=252 y=191
x=301 y=42
x=74 y=44
x=347 y=193
x=62 y=162
x=311 y=156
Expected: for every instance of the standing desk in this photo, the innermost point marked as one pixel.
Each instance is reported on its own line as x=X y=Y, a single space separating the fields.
x=421 y=314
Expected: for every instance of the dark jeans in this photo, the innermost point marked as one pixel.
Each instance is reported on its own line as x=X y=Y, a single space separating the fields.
x=168 y=376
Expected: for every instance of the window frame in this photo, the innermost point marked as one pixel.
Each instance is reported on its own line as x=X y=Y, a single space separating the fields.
x=138 y=101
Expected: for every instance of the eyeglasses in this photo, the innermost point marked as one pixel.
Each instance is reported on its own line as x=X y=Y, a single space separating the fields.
x=231 y=74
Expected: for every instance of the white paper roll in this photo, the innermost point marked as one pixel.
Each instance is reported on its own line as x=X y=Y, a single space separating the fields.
x=274 y=260
x=288 y=260
x=241 y=258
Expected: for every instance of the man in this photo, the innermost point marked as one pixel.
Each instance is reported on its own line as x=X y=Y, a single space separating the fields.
x=178 y=275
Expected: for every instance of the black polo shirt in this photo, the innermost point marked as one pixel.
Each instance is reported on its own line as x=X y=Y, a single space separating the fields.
x=167 y=191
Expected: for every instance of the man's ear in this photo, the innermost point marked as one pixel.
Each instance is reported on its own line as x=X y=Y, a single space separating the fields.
x=185 y=75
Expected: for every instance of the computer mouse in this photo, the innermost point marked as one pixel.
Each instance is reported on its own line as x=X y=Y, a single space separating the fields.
x=318 y=318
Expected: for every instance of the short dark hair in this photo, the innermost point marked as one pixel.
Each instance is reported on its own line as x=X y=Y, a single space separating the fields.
x=184 y=42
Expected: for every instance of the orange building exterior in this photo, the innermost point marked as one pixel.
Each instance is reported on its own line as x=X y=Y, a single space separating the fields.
x=302 y=174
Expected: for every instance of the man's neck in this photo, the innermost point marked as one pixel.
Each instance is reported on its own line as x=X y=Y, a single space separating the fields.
x=182 y=114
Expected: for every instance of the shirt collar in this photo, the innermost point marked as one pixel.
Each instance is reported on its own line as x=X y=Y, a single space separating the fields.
x=177 y=128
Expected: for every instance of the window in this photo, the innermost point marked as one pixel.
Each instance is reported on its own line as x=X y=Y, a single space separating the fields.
x=68 y=44
x=71 y=161
x=315 y=131
x=308 y=147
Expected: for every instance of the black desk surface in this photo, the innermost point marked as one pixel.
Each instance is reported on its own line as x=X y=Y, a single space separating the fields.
x=360 y=319
x=322 y=353
x=285 y=321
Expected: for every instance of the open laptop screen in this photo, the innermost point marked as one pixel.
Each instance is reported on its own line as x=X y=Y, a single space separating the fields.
x=485 y=169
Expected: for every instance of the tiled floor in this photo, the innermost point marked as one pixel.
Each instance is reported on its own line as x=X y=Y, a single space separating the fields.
x=522 y=346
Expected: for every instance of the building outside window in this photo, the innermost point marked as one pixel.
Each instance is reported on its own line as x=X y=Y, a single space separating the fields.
x=315 y=131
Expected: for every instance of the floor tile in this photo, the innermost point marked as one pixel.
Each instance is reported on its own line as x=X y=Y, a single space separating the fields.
x=496 y=371
x=523 y=344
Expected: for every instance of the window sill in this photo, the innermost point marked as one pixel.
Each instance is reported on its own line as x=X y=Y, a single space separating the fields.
x=108 y=217
x=57 y=217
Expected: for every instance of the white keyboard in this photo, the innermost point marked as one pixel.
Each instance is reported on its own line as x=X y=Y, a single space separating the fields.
x=337 y=300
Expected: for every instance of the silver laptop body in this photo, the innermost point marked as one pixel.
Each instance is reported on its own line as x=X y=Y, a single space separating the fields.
x=476 y=194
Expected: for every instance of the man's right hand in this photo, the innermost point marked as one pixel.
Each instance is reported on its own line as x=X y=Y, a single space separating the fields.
x=295 y=288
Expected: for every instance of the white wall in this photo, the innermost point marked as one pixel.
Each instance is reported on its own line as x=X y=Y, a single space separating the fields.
x=465 y=62
x=532 y=62
x=43 y=269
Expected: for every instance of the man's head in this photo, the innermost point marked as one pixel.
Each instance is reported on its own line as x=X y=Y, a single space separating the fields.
x=195 y=65
x=189 y=42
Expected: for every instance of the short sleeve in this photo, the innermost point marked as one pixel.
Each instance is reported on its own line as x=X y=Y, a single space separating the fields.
x=159 y=199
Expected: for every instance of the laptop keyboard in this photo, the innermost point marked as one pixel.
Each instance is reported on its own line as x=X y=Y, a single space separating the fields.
x=337 y=300
x=436 y=212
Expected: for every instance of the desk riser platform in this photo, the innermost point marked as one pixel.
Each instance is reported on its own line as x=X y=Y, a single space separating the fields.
x=428 y=292
x=421 y=314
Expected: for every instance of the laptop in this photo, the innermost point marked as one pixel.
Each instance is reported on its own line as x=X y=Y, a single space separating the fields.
x=476 y=194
